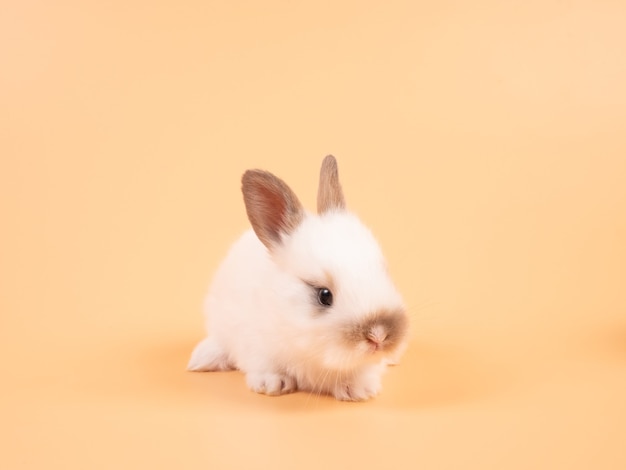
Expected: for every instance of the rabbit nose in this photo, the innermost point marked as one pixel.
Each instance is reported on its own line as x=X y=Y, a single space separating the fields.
x=377 y=335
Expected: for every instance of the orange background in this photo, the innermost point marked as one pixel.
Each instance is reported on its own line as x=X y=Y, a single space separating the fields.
x=484 y=142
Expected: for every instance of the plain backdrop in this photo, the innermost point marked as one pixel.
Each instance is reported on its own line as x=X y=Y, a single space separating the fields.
x=483 y=142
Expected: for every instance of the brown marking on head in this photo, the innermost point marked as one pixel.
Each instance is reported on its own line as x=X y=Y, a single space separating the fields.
x=329 y=193
x=272 y=207
x=385 y=329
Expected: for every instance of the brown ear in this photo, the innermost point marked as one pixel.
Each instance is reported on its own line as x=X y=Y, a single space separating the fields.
x=273 y=208
x=329 y=193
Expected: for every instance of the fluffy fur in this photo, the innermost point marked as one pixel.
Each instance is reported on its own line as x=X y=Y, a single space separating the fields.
x=263 y=313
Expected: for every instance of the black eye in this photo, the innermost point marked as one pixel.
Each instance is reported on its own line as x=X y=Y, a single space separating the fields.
x=325 y=296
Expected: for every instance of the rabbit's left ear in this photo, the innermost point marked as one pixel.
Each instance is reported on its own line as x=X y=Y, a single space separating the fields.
x=273 y=208
x=329 y=193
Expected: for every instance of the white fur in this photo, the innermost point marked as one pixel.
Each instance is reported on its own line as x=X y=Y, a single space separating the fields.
x=263 y=319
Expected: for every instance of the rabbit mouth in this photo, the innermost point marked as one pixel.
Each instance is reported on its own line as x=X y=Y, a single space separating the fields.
x=373 y=348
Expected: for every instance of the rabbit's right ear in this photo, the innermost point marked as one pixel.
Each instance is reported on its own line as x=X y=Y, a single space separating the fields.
x=273 y=208
x=329 y=193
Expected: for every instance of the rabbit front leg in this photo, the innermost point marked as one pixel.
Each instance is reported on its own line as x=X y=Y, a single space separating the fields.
x=359 y=386
x=270 y=383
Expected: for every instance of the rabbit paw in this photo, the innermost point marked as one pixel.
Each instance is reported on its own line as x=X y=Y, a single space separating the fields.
x=271 y=383
x=358 y=389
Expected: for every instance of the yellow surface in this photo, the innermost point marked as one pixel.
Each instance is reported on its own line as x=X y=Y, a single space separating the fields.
x=483 y=142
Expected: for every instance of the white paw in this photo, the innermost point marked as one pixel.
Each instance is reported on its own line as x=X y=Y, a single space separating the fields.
x=270 y=383
x=359 y=388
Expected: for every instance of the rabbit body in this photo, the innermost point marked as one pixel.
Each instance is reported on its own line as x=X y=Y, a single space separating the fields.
x=303 y=301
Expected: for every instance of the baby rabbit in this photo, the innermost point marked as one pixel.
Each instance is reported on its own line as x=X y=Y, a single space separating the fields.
x=303 y=301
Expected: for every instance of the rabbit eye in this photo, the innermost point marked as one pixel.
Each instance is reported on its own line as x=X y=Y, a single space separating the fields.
x=325 y=296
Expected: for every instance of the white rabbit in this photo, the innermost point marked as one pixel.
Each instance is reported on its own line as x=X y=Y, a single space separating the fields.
x=303 y=301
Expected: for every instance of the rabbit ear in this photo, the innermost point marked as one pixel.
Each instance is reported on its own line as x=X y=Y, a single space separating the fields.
x=273 y=208
x=329 y=193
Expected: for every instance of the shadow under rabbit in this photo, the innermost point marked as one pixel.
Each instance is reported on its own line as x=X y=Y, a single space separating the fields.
x=165 y=366
x=607 y=343
x=431 y=375
x=428 y=376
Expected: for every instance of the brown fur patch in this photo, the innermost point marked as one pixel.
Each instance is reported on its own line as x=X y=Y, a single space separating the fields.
x=394 y=322
x=329 y=192
x=272 y=207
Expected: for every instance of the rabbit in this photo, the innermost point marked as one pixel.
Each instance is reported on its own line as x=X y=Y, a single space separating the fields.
x=303 y=301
